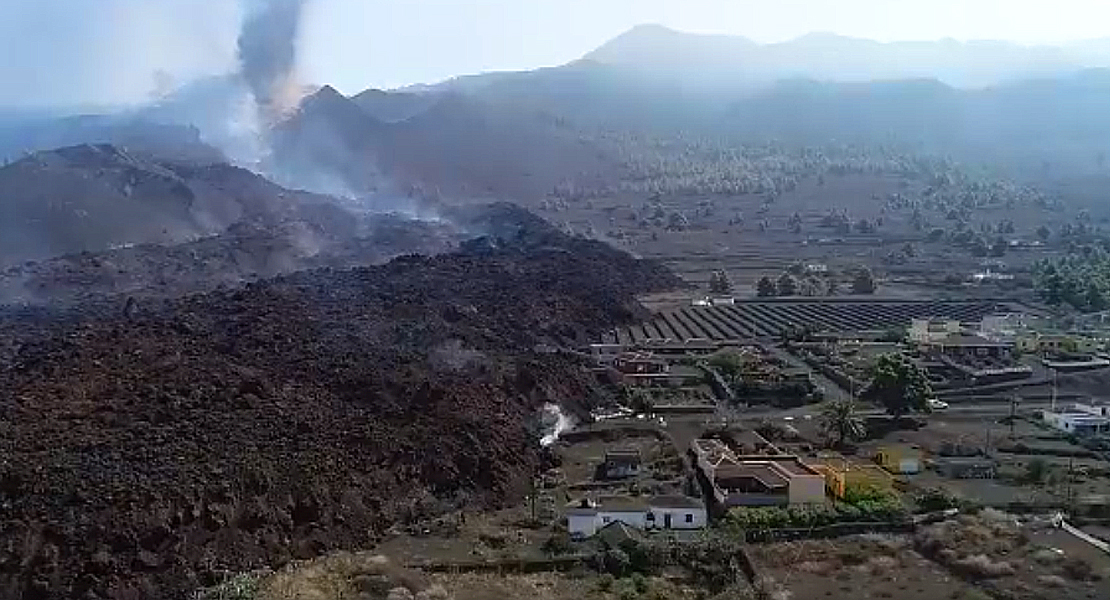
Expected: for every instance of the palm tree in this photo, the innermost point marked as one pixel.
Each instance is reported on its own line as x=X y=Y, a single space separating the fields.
x=841 y=422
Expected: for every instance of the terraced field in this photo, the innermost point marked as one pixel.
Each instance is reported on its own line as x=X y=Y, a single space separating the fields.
x=762 y=318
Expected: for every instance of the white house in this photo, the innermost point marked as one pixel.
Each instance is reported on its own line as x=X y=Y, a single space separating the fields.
x=1079 y=419
x=586 y=517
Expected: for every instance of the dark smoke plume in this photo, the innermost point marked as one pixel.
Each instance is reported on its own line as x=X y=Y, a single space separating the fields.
x=268 y=52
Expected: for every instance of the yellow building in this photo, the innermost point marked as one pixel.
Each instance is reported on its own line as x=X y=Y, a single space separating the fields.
x=900 y=460
x=842 y=475
x=1056 y=342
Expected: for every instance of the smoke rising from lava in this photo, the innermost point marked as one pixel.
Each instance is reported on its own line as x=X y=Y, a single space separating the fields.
x=268 y=54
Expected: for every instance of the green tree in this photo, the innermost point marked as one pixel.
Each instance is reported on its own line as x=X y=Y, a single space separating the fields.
x=1094 y=299
x=999 y=247
x=841 y=421
x=899 y=385
x=863 y=282
x=1044 y=232
x=1035 y=470
x=766 y=287
x=719 y=284
x=787 y=285
x=811 y=286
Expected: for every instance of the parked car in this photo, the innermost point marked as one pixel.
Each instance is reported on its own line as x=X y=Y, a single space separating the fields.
x=935 y=404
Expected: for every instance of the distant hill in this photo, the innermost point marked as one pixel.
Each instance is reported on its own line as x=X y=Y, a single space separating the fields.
x=1049 y=120
x=23 y=134
x=520 y=134
x=825 y=56
x=460 y=144
x=393 y=106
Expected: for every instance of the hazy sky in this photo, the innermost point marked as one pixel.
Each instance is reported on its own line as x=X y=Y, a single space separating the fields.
x=102 y=51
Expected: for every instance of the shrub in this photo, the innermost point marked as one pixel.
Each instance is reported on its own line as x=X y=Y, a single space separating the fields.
x=616 y=562
x=980 y=565
x=644 y=557
x=875 y=504
x=605 y=582
x=1078 y=569
x=238 y=587
x=1035 y=470
x=558 y=544
x=936 y=499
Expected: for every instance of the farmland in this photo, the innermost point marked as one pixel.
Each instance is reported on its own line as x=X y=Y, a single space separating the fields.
x=765 y=319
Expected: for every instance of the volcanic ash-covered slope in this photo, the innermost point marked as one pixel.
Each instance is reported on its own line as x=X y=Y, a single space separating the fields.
x=144 y=451
x=96 y=197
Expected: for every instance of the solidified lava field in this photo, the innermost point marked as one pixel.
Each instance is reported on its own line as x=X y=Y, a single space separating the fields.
x=146 y=448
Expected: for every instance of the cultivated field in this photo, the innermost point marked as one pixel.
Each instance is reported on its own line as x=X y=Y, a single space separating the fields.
x=758 y=319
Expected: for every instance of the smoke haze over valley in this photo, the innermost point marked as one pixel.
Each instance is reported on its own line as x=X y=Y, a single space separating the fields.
x=285 y=280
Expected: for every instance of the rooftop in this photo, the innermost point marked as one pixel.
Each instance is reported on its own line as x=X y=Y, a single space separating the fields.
x=675 y=501
x=751 y=439
x=976 y=341
x=792 y=465
x=766 y=473
x=623 y=454
x=586 y=506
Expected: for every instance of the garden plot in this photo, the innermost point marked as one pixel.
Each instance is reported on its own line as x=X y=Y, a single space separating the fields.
x=661 y=467
x=859 y=567
x=1034 y=469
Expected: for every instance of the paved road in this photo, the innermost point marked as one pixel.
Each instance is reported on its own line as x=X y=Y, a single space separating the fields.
x=978 y=408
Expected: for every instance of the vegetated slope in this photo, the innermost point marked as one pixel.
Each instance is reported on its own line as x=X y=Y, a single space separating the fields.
x=95 y=197
x=1057 y=121
x=144 y=454
x=600 y=126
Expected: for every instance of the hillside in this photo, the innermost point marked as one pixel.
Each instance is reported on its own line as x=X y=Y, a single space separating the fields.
x=1022 y=124
x=147 y=450
x=462 y=145
x=392 y=106
x=97 y=197
x=326 y=236
x=21 y=134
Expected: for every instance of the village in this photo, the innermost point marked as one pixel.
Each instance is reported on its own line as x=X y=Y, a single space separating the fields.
x=715 y=442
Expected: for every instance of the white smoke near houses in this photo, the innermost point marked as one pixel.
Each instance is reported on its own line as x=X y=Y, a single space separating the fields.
x=554 y=423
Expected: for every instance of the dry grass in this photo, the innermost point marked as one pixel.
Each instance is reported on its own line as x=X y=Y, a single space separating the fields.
x=981 y=566
x=986 y=534
x=346 y=576
x=556 y=586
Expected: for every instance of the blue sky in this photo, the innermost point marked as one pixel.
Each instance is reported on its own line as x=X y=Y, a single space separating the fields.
x=106 y=51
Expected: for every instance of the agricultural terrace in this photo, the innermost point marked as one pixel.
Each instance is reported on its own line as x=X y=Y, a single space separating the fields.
x=764 y=319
